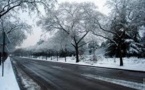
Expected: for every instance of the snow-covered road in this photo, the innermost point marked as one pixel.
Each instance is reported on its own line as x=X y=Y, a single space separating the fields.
x=61 y=76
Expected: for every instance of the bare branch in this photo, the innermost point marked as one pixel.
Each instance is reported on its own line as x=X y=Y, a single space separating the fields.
x=82 y=45
x=12 y=28
x=61 y=25
x=11 y=5
x=104 y=29
x=10 y=8
x=82 y=37
x=73 y=45
x=105 y=38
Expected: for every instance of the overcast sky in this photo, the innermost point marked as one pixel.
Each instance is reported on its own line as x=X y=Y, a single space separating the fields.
x=33 y=38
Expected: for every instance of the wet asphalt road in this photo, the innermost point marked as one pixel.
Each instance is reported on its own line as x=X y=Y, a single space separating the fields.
x=61 y=76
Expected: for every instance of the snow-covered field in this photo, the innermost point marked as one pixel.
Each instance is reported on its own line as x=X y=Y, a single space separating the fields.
x=8 y=82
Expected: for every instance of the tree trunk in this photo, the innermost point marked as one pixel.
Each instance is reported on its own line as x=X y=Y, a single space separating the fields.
x=65 y=54
x=65 y=58
x=51 y=57
x=46 y=57
x=77 y=53
x=121 y=61
x=120 y=56
x=0 y=59
x=57 y=56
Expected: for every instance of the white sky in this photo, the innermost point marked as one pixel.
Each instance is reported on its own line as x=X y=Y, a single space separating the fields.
x=35 y=36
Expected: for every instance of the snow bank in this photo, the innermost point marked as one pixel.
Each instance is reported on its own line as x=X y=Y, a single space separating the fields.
x=8 y=82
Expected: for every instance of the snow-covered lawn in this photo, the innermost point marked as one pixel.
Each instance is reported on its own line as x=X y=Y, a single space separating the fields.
x=8 y=82
x=133 y=63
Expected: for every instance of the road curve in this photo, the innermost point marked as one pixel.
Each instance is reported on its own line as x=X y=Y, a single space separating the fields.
x=61 y=76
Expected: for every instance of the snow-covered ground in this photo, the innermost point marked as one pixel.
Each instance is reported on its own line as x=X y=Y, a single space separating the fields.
x=8 y=81
x=136 y=64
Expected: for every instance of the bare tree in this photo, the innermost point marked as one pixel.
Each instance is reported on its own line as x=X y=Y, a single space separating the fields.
x=74 y=20
x=127 y=17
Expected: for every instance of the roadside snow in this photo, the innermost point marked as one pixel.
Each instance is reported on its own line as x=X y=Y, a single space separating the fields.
x=26 y=81
x=8 y=82
x=134 y=85
x=135 y=64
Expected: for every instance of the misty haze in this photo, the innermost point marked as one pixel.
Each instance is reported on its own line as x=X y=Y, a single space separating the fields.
x=72 y=44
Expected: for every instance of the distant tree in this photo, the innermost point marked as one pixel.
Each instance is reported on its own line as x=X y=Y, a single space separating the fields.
x=19 y=52
x=62 y=40
x=92 y=45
